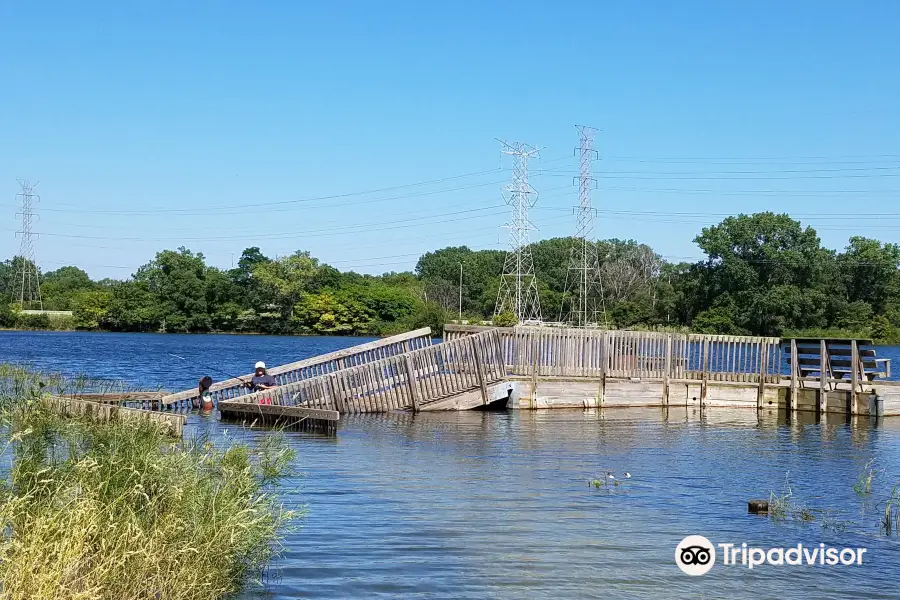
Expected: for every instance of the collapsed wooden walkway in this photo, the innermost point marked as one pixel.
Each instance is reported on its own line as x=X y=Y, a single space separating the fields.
x=536 y=367
x=317 y=366
x=457 y=374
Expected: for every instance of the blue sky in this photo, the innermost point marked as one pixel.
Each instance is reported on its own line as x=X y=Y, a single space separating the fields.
x=222 y=125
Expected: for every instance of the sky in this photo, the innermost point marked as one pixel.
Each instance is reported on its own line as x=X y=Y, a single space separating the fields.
x=367 y=133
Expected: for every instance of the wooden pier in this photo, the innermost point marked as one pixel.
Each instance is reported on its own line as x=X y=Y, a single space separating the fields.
x=542 y=367
x=559 y=367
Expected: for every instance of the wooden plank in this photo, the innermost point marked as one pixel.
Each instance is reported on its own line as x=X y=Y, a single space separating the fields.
x=412 y=382
x=286 y=411
x=869 y=363
x=337 y=393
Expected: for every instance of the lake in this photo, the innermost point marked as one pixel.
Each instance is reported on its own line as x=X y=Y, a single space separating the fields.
x=497 y=505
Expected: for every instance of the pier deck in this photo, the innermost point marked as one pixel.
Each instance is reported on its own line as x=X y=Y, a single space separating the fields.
x=543 y=367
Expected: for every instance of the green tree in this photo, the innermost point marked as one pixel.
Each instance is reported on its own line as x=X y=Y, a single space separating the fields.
x=177 y=280
x=329 y=313
x=60 y=287
x=90 y=308
x=7 y=314
x=282 y=282
x=774 y=272
x=869 y=271
x=439 y=271
x=133 y=307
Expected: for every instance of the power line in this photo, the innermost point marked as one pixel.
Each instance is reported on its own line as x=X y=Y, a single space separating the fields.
x=788 y=158
x=27 y=280
x=221 y=208
x=614 y=175
x=369 y=227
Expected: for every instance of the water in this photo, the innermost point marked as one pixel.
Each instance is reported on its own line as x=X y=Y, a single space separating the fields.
x=497 y=505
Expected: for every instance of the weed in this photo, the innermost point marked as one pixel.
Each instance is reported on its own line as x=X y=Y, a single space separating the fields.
x=863 y=485
x=890 y=518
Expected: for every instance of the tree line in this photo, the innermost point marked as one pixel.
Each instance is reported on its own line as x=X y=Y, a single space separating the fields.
x=763 y=274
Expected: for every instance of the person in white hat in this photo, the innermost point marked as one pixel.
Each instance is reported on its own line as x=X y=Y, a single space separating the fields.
x=262 y=380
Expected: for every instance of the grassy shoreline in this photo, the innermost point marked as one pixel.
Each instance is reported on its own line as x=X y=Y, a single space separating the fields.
x=119 y=510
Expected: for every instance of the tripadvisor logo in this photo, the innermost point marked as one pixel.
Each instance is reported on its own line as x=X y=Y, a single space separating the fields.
x=696 y=555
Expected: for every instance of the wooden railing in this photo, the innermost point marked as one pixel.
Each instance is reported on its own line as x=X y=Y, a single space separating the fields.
x=397 y=382
x=300 y=371
x=582 y=352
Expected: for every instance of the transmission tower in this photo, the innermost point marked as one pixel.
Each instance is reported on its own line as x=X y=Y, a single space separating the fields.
x=518 y=287
x=26 y=283
x=582 y=303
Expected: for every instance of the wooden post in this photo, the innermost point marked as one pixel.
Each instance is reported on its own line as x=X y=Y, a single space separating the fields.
x=854 y=376
x=824 y=376
x=763 y=368
x=604 y=365
x=479 y=369
x=704 y=381
x=412 y=382
x=535 y=344
x=668 y=369
x=795 y=366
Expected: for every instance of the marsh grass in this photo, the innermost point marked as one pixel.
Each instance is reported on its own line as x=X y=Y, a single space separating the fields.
x=784 y=506
x=863 y=485
x=890 y=517
x=120 y=511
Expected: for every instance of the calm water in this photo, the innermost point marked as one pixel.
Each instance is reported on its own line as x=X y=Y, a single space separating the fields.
x=496 y=505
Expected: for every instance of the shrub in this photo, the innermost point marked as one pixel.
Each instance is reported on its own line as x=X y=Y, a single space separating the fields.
x=505 y=319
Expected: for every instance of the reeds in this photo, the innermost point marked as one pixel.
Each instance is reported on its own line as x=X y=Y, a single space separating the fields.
x=890 y=518
x=863 y=485
x=119 y=511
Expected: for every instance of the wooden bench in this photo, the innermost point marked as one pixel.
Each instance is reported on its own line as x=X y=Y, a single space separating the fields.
x=833 y=359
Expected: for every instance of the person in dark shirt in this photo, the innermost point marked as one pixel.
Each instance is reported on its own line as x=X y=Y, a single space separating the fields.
x=262 y=380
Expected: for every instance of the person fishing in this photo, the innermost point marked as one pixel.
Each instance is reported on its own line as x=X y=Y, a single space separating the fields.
x=261 y=380
x=203 y=400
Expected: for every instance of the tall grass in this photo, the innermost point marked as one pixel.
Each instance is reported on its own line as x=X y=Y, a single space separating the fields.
x=890 y=518
x=120 y=511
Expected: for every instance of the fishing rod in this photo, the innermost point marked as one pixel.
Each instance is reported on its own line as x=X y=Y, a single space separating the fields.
x=215 y=369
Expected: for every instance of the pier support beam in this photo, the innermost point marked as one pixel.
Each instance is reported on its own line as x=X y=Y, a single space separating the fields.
x=668 y=371
x=824 y=375
x=795 y=366
x=763 y=369
x=704 y=381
